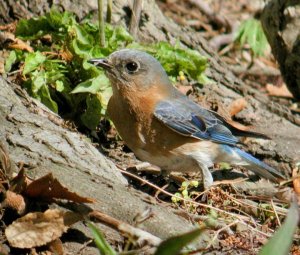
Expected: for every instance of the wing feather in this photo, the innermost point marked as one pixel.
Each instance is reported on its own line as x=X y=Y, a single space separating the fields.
x=189 y=119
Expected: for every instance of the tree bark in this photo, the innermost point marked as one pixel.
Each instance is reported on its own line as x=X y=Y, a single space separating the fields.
x=281 y=23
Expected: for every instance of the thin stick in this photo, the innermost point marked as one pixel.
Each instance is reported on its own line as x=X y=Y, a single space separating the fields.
x=135 y=17
x=218 y=232
x=101 y=23
x=276 y=214
x=124 y=227
x=109 y=11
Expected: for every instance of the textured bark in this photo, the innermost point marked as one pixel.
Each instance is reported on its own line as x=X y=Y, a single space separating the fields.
x=281 y=23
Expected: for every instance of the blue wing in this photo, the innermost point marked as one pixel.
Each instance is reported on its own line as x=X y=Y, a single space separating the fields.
x=189 y=119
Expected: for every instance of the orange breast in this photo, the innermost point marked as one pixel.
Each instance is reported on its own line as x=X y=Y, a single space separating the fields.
x=132 y=115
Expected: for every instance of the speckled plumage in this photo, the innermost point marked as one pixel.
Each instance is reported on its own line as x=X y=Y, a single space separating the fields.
x=162 y=126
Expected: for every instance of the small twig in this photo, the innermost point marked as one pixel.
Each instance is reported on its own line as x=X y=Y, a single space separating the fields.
x=273 y=206
x=141 y=235
x=135 y=17
x=218 y=223
x=218 y=232
x=243 y=202
x=101 y=23
x=84 y=246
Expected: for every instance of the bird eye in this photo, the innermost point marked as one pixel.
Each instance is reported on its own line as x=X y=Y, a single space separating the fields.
x=132 y=67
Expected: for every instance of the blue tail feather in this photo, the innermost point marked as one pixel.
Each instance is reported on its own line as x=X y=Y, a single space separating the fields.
x=254 y=164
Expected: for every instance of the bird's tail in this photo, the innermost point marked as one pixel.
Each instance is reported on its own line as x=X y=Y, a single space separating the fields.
x=255 y=165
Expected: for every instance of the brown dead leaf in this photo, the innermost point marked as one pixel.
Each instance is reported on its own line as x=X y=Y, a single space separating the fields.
x=296 y=180
x=237 y=106
x=15 y=201
x=20 y=45
x=11 y=27
x=15 y=43
x=48 y=187
x=276 y=91
x=56 y=247
x=66 y=55
x=239 y=125
x=37 y=229
x=19 y=183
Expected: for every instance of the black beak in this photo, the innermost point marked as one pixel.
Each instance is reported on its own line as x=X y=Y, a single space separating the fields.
x=102 y=62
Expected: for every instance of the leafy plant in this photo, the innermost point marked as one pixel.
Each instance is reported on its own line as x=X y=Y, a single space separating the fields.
x=58 y=74
x=103 y=247
x=174 y=245
x=282 y=240
x=251 y=32
x=185 y=192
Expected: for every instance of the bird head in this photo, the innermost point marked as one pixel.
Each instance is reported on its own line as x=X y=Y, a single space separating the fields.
x=130 y=69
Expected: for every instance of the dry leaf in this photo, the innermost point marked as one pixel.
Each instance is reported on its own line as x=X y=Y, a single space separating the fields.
x=5 y=162
x=20 y=45
x=56 y=247
x=296 y=180
x=19 y=183
x=239 y=125
x=15 y=43
x=48 y=187
x=11 y=27
x=237 y=106
x=37 y=229
x=15 y=201
x=276 y=91
x=66 y=55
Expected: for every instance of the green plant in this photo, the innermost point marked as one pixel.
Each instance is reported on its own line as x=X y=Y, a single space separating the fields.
x=185 y=192
x=281 y=241
x=174 y=245
x=251 y=32
x=102 y=245
x=58 y=74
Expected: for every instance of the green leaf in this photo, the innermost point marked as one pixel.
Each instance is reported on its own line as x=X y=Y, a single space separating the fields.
x=46 y=98
x=281 y=241
x=81 y=35
x=251 y=32
x=33 y=28
x=224 y=166
x=176 y=59
x=32 y=61
x=103 y=247
x=10 y=61
x=57 y=19
x=38 y=80
x=59 y=86
x=175 y=244
x=93 y=113
x=92 y=85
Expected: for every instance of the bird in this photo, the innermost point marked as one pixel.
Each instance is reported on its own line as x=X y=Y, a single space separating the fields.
x=164 y=127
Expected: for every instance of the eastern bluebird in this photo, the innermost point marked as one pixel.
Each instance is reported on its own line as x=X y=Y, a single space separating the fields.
x=162 y=126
